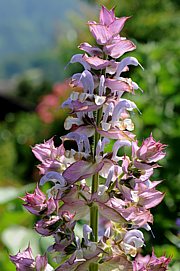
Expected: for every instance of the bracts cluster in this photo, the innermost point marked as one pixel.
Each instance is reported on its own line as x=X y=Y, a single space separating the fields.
x=122 y=193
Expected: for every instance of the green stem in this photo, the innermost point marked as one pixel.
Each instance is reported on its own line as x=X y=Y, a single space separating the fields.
x=94 y=214
x=93 y=267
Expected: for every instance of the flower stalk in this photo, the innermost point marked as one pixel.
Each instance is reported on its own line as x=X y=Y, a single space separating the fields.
x=94 y=215
x=95 y=184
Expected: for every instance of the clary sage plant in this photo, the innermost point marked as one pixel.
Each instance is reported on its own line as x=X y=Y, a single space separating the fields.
x=110 y=189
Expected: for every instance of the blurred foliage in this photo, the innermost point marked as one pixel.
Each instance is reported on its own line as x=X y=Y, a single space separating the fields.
x=28 y=32
x=31 y=86
x=154 y=29
x=29 y=25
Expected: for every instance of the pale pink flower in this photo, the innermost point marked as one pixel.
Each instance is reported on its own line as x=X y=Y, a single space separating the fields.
x=150 y=263
x=91 y=50
x=37 y=203
x=147 y=156
x=119 y=47
x=150 y=151
x=51 y=157
x=108 y=27
x=25 y=261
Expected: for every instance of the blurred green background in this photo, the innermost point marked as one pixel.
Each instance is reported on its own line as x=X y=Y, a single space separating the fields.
x=37 y=39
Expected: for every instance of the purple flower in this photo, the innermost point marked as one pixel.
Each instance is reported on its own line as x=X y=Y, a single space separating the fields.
x=106 y=33
x=48 y=226
x=25 y=261
x=119 y=47
x=52 y=157
x=54 y=224
x=132 y=240
x=106 y=17
x=149 y=198
x=108 y=27
x=119 y=210
x=59 y=184
x=150 y=152
x=86 y=105
x=108 y=208
x=47 y=150
x=79 y=58
x=76 y=201
x=91 y=50
x=37 y=203
x=151 y=263
x=116 y=85
x=99 y=63
x=81 y=170
x=81 y=140
x=115 y=133
x=56 y=178
x=41 y=263
x=136 y=174
x=64 y=236
x=139 y=217
x=124 y=63
x=83 y=80
x=142 y=195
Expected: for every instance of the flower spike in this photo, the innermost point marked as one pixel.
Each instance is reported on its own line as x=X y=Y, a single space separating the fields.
x=99 y=194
